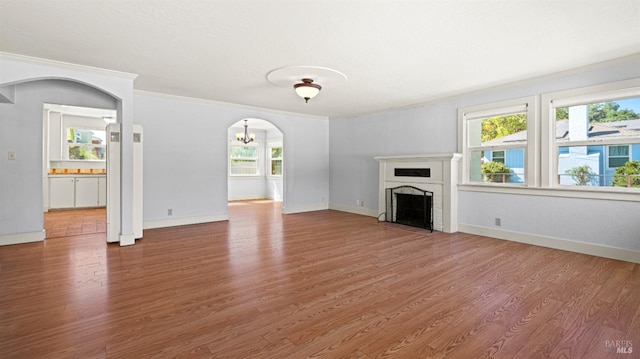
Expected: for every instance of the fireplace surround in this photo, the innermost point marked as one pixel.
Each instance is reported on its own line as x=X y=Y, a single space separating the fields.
x=435 y=173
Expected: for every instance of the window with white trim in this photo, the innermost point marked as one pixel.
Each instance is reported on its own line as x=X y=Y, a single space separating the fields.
x=593 y=135
x=244 y=160
x=275 y=161
x=497 y=156
x=86 y=144
x=497 y=142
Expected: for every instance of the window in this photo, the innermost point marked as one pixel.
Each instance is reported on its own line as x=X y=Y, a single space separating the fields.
x=243 y=160
x=592 y=134
x=618 y=156
x=86 y=144
x=275 y=159
x=496 y=143
x=498 y=156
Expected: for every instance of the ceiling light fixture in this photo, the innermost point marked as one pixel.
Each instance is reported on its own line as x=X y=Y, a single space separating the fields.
x=306 y=79
x=246 y=137
x=307 y=89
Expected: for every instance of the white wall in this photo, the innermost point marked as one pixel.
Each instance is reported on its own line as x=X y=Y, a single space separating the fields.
x=21 y=131
x=185 y=158
x=432 y=128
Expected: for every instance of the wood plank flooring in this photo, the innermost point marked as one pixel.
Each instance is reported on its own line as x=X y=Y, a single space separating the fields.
x=72 y=222
x=321 y=284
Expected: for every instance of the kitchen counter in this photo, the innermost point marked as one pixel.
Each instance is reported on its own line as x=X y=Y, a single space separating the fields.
x=57 y=175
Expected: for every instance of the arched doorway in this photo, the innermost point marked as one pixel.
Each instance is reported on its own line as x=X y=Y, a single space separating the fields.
x=31 y=167
x=75 y=163
x=255 y=164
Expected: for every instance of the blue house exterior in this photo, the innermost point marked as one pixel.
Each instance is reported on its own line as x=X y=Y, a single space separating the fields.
x=602 y=159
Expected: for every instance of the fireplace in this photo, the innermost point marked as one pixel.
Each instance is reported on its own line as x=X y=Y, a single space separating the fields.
x=410 y=206
x=436 y=174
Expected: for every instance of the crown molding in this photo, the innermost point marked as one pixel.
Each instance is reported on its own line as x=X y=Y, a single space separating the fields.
x=222 y=103
x=67 y=66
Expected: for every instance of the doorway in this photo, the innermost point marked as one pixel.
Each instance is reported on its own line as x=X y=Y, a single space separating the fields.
x=256 y=161
x=75 y=163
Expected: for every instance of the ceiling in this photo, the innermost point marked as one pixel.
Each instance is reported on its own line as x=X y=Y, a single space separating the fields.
x=393 y=53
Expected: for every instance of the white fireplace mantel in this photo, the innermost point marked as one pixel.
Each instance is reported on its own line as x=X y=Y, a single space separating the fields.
x=442 y=182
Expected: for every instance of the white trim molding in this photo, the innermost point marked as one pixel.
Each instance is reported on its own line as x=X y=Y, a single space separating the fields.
x=185 y=221
x=68 y=65
x=19 y=238
x=555 y=243
x=369 y=212
x=305 y=208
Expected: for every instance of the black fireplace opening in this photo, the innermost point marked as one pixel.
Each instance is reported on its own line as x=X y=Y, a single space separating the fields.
x=410 y=206
x=411 y=209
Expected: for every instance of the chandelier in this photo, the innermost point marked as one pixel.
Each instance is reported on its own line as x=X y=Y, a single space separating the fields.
x=246 y=137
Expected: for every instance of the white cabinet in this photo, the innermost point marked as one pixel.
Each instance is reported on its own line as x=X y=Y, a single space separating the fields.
x=77 y=192
x=86 y=191
x=62 y=192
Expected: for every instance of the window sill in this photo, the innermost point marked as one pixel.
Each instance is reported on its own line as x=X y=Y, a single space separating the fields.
x=618 y=194
x=246 y=176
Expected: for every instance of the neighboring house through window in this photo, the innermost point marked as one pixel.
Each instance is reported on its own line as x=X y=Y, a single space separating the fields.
x=596 y=131
x=582 y=137
x=495 y=142
x=86 y=144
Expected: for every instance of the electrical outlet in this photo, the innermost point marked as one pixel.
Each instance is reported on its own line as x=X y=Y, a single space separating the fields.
x=12 y=156
x=170 y=212
x=361 y=203
x=498 y=221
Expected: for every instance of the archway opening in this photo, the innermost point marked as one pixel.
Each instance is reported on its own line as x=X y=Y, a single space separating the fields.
x=75 y=162
x=28 y=191
x=256 y=162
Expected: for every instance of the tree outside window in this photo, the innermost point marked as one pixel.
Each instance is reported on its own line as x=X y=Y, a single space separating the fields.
x=276 y=161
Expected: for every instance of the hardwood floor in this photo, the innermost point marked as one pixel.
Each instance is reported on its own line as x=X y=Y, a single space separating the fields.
x=321 y=284
x=73 y=222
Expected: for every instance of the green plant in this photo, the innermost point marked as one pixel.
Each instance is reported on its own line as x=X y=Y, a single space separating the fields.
x=495 y=172
x=627 y=175
x=583 y=175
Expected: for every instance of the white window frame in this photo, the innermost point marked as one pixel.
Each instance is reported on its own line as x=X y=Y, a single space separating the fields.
x=527 y=104
x=503 y=158
x=574 y=97
x=90 y=146
x=271 y=159
x=257 y=158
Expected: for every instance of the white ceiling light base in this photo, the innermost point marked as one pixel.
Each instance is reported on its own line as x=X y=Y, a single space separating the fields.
x=289 y=76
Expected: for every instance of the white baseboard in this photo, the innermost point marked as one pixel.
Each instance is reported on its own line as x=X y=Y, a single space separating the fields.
x=598 y=250
x=354 y=209
x=185 y=221
x=305 y=208
x=19 y=238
